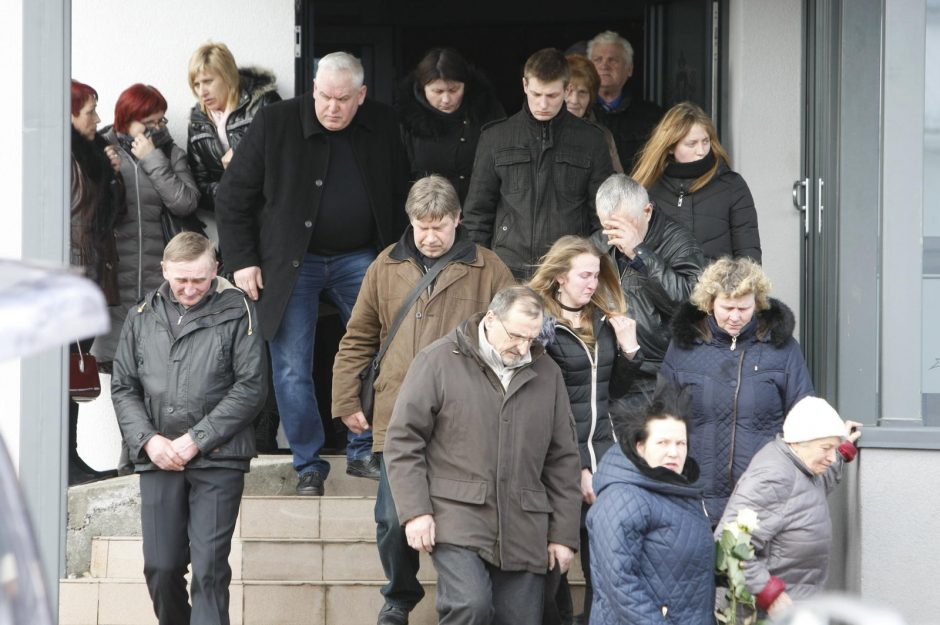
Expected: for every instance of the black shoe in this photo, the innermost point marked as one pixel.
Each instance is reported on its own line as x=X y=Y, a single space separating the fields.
x=390 y=615
x=310 y=484
x=367 y=467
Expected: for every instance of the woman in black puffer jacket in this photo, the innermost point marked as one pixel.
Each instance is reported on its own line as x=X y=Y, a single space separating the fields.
x=589 y=336
x=689 y=177
x=229 y=98
x=442 y=107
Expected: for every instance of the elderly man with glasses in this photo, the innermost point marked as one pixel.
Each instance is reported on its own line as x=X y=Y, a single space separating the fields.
x=483 y=464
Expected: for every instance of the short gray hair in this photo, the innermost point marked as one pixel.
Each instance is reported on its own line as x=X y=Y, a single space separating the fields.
x=336 y=62
x=609 y=36
x=530 y=302
x=621 y=193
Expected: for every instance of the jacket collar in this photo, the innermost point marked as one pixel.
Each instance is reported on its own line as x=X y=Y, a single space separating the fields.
x=469 y=344
x=406 y=249
x=690 y=326
x=227 y=298
x=311 y=126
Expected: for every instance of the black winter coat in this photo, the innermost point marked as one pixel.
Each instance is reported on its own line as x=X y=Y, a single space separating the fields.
x=268 y=200
x=534 y=182
x=741 y=390
x=209 y=382
x=592 y=377
x=631 y=124
x=445 y=143
x=721 y=214
x=205 y=151
x=672 y=261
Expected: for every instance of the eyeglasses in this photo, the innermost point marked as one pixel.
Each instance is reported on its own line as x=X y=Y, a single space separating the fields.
x=160 y=122
x=517 y=338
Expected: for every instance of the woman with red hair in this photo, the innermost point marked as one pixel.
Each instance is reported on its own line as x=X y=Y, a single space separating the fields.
x=96 y=205
x=156 y=177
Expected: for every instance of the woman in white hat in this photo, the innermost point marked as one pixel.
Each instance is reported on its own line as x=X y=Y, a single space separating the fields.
x=786 y=484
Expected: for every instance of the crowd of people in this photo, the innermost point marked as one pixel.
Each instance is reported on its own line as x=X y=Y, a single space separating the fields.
x=558 y=335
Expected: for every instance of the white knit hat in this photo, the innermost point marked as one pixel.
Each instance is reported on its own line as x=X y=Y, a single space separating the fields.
x=812 y=418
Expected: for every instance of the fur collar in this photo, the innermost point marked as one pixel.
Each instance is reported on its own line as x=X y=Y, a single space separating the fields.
x=420 y=119
x=256 y=81
x=774 y=325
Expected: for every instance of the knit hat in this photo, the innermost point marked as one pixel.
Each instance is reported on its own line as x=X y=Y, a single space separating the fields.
x=812 y=418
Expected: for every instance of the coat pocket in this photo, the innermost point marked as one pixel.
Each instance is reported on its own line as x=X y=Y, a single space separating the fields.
x=465 y=491
x=513 y=168
x=534 y=500
x=572 y=172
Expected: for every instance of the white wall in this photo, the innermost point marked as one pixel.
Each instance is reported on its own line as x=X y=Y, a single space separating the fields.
x=11 y=181
x=899 y=525
x=116 y=43
x=764 y=77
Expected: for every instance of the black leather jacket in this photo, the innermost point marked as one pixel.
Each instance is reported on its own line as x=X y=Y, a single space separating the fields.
x=204 y=149
x=534 y=182
x=209 y=382
x=671 y=263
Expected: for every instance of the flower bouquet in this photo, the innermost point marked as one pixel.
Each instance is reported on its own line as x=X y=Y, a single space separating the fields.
x=732 y=550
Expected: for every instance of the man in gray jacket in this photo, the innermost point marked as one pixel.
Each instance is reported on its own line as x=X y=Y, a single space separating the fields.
x=483 y=464
x=189 y=377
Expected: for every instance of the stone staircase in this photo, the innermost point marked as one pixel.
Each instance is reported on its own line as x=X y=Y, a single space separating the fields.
x=295 y=560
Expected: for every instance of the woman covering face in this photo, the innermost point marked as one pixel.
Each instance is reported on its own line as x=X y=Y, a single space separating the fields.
x=733 y=350
x=651 y=544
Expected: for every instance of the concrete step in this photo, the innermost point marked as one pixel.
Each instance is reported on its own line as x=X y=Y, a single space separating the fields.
x=266 y=559
x=306 y=517
x=89 y=601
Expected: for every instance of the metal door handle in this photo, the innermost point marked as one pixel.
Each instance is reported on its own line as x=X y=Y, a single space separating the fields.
x=801 y=205
x=819 y=204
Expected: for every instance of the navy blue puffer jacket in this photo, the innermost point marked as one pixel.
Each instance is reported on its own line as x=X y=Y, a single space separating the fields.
x=741 y=390
x=652 y=553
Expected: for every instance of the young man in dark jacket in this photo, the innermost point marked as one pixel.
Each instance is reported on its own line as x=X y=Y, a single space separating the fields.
x=189 y=377
x=536 y=173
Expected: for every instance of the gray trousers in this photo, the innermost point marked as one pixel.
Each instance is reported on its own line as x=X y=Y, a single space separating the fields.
x=189 y=517
x=471 y=591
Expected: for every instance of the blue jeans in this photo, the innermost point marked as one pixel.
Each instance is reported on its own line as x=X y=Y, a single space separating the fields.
x=339 y=277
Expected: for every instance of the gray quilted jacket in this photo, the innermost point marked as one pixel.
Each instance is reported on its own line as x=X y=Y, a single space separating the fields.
x=794 y=539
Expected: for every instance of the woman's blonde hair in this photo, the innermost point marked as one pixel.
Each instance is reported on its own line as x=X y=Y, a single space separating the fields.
x=217 y=59
x=733 y=278
x=557 y=262
x=671 y=129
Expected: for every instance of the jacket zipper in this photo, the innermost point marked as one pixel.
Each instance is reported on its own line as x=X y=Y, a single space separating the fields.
x=593 y=361
x=681 y=196
x=734 y=417
x=140 y=233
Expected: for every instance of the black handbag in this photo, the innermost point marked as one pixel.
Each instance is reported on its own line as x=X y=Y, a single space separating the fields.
x=368 y=375
x=172 y=224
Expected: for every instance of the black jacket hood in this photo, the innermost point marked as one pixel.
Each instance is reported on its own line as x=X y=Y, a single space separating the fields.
x=775 y=325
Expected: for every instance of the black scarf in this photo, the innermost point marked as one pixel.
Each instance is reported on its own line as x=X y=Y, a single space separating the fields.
x=695 y=169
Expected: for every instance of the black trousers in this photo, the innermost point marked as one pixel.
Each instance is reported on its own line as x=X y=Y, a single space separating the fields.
x=399 y=561
x=471 y=591
x=189 y=517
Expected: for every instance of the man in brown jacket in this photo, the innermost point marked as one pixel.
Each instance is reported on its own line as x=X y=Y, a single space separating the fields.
x=472 y=277
x=483 y=464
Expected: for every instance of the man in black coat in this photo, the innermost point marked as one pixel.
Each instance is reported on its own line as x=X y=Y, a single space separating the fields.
x=316 y=188
x=659 y=262
x=535 y=173
x=630 y=120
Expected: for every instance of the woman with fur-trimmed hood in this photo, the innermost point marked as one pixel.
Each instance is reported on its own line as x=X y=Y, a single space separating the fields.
x=442 y=107
x=228 y=99
x=733 y=348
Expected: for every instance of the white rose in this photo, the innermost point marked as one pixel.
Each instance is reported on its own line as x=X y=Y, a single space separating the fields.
x=747 y=520
x=733 y=529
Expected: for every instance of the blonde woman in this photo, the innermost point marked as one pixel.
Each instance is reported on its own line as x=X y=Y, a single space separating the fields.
x=228 y=98
x=594 y=343
x=688 y=176
x=733 y=349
